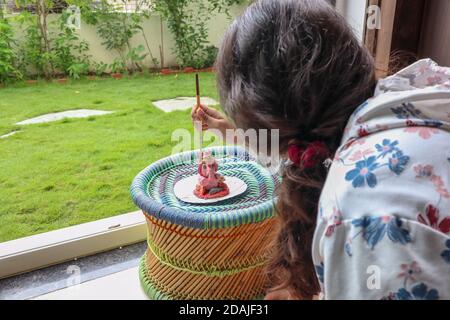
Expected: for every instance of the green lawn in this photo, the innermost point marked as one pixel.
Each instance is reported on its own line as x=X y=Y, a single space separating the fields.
x=68 y=172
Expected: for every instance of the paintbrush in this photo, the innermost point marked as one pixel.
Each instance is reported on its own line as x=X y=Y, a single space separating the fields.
x=197 y=89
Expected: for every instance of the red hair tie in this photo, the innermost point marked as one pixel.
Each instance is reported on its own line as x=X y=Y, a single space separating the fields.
x=308 y=157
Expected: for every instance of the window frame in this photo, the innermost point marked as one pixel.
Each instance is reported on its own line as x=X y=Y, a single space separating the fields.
x=54 y=247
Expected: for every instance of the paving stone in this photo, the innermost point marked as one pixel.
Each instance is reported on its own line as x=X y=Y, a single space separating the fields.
x=182 y=103
x=80 y=113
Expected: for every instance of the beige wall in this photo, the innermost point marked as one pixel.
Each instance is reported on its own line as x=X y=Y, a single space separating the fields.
x=152 y=28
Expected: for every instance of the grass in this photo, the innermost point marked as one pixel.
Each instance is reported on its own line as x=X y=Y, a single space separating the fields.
x=72 y=171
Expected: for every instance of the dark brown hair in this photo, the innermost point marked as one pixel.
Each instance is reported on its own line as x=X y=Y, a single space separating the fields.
x=296 y=66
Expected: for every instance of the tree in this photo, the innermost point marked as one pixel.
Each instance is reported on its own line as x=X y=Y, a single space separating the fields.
x=187 y=21
x=8 y=66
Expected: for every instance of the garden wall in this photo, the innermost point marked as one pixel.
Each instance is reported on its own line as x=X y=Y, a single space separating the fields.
x=157 y=35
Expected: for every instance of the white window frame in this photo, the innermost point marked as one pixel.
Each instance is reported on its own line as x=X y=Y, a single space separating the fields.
x=49 y=248
x=354 y=11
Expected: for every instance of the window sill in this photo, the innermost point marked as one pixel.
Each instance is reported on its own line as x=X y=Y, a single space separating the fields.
x=42 y=250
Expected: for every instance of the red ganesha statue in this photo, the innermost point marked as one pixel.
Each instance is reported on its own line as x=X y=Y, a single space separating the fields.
x=211 y=184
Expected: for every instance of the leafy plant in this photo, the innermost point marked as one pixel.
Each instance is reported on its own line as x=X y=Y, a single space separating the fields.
x=116 y=29
x=38 y=51
x=76 y=70
x=69 y=52
x=155 y=61
x=8 y=69
x=137 y=55
x=32 y=60
x=210 y=55
x=118 y=66
x=2 y=9
x=99 y=68
x=49 y=48
x=187 y=21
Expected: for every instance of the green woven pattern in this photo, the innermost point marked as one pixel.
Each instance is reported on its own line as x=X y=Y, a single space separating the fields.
x=155 y=292
x=147 y=286
x=227 y=268
x=152 y=191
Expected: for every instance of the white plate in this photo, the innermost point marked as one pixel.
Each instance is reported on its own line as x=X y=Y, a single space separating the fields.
x=184 y=190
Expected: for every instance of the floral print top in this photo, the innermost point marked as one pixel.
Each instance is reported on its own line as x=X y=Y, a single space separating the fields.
x=383 y=229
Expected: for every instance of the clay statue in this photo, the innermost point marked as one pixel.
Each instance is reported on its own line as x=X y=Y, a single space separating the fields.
x=211 y=184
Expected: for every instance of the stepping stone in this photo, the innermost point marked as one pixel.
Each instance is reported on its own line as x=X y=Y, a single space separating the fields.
x=79 y=113
x=182 y=103
x=9 y=134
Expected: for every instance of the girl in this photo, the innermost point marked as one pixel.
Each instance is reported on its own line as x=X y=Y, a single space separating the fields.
x=376 y=223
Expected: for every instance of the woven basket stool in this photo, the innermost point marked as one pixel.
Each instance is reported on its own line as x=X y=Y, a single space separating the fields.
x=198 y=251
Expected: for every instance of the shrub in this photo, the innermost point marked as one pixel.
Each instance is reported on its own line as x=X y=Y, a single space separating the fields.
x=69 y=52
x=8 y=69
x=187 y=21
x=49 y=48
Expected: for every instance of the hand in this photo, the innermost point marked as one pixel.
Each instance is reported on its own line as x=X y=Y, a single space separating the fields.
x=211 y=119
